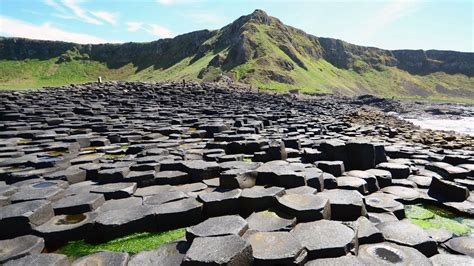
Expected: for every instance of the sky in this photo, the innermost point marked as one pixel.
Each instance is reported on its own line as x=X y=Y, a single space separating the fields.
x=388 y=24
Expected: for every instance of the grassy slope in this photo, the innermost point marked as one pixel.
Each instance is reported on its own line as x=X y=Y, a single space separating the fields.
x=38 y=73
x=320 y=75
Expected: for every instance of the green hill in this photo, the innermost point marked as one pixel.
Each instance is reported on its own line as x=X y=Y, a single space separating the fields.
x=255 y=49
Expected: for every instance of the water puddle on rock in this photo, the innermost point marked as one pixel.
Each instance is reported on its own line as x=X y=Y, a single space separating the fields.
x=44 y=184
x=387 y=255
x=71 y=219
x=433 y=217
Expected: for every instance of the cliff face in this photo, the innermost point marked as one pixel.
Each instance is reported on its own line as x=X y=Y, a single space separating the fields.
x=260 y=50
x=166 y=51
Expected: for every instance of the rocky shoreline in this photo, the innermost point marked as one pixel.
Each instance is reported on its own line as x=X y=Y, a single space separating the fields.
x=256 y=178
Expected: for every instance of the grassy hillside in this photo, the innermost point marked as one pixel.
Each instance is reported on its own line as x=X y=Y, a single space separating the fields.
x=36 y=73
x=256 y=49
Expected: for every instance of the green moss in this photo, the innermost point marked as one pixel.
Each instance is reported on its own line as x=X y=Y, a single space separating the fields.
x=417 y=212
x=247 y=160
x=132 y=244
x=428 y=217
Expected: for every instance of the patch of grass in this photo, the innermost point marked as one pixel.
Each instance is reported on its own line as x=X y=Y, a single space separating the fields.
x=132 y=244
x=33 y=73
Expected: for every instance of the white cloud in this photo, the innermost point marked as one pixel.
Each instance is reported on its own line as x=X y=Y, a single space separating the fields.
x=390 y=13
x=134 y=26
x=70 y=9
x=17 y=28
x=153 y=29
x=80 y=13
x=106 y=16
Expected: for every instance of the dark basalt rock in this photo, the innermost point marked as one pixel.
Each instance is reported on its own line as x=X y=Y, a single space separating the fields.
x=398 y=171
x=115 y=190
x=267 y=221
x=367 y=233
x=77 y=204
x=103 y=258
x=19 y=247
x=200 y=170
x=461 y=245
x=383 y=202
x=390 y=254
x=229 y=250
x=319 y=238
x=171 y=254
x=270 y=248
x=153 y=157
x=451 y=259
x=115 y=223
x=403 y=194
x=352 y=183
x=172 y=178
x=305 y=207
x=164 y=197
x=118 y=204
x=237 y=178
x=335 y=168
x=259 y=198
x=221 y=202
x=20 y=218
x=407 y=234
x=339 y=261
x=218 y=226
x=62 y=228
x=177 y=214
x=41 y=259
x=384 y=178
x=345 y=205
x=447 y=190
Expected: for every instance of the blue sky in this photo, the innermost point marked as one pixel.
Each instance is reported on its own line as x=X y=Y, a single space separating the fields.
x=389 y=24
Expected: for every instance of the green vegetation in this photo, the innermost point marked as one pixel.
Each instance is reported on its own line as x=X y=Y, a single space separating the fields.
x=257 y=50
x=132 y=244
x=428 y=217
x=41 y=73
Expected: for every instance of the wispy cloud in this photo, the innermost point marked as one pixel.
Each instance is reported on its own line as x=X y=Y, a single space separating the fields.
x=390 y=13
x=109 y=17
x=153 y=29
x=17 y=28
x=70 y=9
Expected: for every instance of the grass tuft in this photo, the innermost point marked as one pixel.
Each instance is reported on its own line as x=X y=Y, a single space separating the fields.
x=132 y=244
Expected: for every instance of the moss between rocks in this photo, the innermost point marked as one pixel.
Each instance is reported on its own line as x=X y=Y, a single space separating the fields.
x=132 y=244
x=428 y=217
